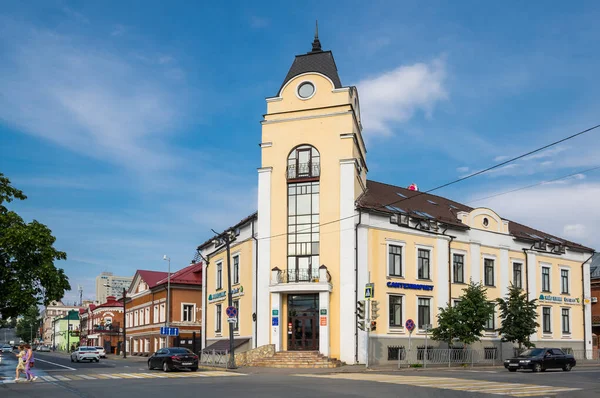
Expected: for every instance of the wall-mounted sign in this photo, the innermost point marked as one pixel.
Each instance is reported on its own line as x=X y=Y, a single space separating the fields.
x=412 y=286
x=217 y=296
x=238 y=291
x=546 y=298
x=275 y=312
x=323 y=321
x=323 y=311
x=275 y=321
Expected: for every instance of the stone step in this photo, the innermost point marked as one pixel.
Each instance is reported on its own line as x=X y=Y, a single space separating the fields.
x=297 y=366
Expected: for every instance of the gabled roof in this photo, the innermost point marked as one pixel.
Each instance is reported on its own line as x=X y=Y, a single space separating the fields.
x=190 y=275
x=151 y=277
x=316 y=60
x=379 y=194
x=111 y=302
x=244 y=221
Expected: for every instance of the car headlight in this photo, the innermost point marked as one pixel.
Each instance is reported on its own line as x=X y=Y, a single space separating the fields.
x=507 y=361
x=525 y=361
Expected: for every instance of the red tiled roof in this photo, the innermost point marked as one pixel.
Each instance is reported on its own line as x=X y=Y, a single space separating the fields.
x=190 y=275
x=151 y=277
x=111 y=301
x=444 y=210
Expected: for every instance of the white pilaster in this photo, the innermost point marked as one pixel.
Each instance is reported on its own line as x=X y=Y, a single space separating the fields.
x=532 y=270
x=254 y=276
x=476 y=262
x=324 y=347
x=204 y=326
x=347 y=282
x=263 y=313
x=276 y=329
x=587 y=313
x=504 y=272
x=363 y=275
x=441 y=272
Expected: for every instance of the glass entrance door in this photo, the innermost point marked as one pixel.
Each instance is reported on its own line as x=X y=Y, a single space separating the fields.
x=303 y=322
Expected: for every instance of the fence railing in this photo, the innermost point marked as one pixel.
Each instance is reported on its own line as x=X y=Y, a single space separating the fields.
x=448 y=356
x=584 y=355
x=298 y=275
x=214 y=358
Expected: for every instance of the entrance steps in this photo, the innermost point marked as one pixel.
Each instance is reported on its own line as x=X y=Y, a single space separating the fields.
x=298 y=359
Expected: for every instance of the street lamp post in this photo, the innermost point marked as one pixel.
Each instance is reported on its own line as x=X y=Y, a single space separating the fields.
x=168 y=319
x=227 y=237
x=124 y=323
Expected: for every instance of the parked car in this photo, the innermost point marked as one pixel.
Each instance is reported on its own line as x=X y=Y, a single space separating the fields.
x=85 y=354
x=43 y=348
x=6 y=348
x=540 y=359
x=173 y=358
x=101 y=351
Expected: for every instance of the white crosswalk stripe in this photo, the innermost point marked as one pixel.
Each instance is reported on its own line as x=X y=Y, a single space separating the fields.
x=447 y=383
x=123 y=376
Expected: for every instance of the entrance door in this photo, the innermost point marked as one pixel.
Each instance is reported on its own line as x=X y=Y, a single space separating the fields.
x=303 y=322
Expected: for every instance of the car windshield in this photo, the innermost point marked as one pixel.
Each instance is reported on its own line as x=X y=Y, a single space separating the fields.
x=87 y=349
x=99 y=348
x=532 y=353
x=180 y=351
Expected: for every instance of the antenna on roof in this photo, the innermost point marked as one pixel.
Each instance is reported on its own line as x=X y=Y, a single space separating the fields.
x=316 y=45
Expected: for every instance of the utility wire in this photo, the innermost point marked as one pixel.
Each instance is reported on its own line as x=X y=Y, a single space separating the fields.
x=535 y=185
x=419 y=193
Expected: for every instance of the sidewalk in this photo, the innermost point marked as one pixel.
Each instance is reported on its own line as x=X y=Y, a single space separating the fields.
x=108 y=356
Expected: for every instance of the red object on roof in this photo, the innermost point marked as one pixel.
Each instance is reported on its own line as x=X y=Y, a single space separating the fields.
x=111 y=301
x=190 y=275
x=413 y=187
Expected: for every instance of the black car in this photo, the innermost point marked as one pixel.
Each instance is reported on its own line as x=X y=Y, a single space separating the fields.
x=173 y=358
x=540 y=359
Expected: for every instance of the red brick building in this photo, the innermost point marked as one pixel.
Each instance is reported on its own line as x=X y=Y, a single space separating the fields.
x=101 y=325
x=595 y=288
x=146 y=309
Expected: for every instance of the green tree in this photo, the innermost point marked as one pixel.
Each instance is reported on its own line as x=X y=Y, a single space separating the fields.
x=28 y=275
x=28 y=326
x=518 y=317
x=467 y=319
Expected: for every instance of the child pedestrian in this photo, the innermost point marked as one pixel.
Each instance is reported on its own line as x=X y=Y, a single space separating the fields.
x=29 y=363
x=20 y=364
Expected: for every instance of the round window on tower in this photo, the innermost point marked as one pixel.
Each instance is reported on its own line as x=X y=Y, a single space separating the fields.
x=306 y=90
x=486 y=222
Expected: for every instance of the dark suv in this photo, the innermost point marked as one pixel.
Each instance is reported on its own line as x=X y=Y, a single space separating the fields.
x=540 y=359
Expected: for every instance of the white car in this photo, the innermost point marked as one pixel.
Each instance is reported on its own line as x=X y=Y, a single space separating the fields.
x=101 y=351
x=85 y=354
x=43 y=348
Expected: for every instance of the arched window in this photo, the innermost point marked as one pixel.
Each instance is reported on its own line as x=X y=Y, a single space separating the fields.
x=304 y=162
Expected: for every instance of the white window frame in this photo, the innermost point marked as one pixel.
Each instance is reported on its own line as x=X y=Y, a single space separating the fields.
x=549 y=266
x=431 y=314
x=512 y=274
x=193 y=312
x=239 y=258
x=494 y=268
x=570 y=333
x=431 y=261
x=163 y=315
x=236 y=325
x=402 y=244
x=147 y=315
x=218 y=309
x=568 y=269
x=548 y=334
x=460 y=253
x=400 y=328
x=135 y=318
x=218 y=283
x=493 y=331
x=155 y=314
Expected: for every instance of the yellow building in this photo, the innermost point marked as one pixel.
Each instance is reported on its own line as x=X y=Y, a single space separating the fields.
x=323 y=231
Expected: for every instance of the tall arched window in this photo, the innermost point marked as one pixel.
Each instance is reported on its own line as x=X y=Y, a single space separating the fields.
x=303 y=214
x=303 y=162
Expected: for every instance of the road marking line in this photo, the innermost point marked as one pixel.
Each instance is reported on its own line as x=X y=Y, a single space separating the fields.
x=154 y=375
x=62 y=378
x=87 y=377
x=112 y=376
x=101 y=376
x=56 y=364
x=48 y=378
x=132 y=375
x=73 y=377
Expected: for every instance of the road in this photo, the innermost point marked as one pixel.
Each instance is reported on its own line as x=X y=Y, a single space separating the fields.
x=58 y=378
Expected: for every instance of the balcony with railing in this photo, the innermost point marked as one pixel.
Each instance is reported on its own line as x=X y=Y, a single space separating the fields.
x=107 y=328
x=595 y=320
x=299 y=171
x=298 y=280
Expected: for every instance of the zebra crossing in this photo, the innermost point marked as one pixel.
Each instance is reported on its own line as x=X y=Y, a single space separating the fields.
x=447 y=383
x=115 y=376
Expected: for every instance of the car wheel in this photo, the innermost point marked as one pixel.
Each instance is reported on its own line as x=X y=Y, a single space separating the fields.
x=537 y=367
x=567 y=367
x=165 y=367
x=72 y=359
x=194 y=369
x=512 y=370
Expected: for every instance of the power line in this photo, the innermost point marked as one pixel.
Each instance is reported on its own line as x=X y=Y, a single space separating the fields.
x=535 y=185
x=419 y=193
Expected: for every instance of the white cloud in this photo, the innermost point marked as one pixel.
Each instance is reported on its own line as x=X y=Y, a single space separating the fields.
x=394 y=96
x=547 y=153
x=569 y=211
x=463 y=169
x=92 y=101
x=501 y=158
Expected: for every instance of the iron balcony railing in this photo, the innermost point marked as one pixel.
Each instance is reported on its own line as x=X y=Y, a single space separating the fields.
x=596 y=320
x=303 y=170
x=109 y=328
x=298 y=275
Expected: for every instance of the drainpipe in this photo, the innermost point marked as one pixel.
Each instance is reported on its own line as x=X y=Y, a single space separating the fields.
x=255 y=288
x=450 y=267
x=527 y=271
x=356 y=284
x=204 y=293
x=583 y=296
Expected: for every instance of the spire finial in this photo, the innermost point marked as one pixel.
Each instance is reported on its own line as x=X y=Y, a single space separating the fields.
x=316 y=45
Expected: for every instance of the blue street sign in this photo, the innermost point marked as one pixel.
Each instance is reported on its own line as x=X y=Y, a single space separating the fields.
x=231 y=312
x=165 y=331
x=275 y=321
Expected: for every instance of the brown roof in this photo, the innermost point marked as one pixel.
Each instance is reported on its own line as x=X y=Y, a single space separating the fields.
x=151 y=277
x=190 y=275
x=111 y=301
x=239 y=224
x=378 y=195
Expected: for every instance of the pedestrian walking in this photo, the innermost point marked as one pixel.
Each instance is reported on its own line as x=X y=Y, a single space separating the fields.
x=21 y=364
x=29 y=363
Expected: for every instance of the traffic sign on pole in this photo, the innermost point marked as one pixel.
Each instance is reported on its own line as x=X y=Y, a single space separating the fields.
x=369 y=291
x=231 y=312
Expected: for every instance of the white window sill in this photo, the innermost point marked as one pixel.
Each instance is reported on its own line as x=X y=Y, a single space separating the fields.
x=546 y=336
x=567 y=337
x=397 y=331
x=218 y=334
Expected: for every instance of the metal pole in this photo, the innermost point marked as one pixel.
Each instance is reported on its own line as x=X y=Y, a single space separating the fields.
x=168 y=320
x=425 y=353
x=68 y=327
x=230 y=304
x=124 y=324
x=367 y=324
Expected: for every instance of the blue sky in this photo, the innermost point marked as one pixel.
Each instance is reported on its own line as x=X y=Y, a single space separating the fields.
x=133 y=128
